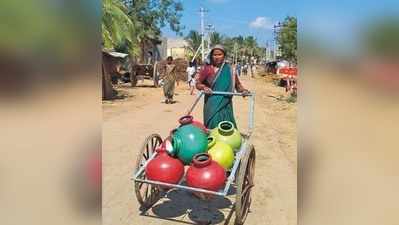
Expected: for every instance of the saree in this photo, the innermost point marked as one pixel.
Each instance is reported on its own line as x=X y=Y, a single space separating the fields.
x=218 y=108
x=169 y=81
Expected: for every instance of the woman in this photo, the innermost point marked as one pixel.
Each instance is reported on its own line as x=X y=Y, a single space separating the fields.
x=169 y=79
x=218 y=76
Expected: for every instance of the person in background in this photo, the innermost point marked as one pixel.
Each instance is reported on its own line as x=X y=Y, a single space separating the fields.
x=191 y=71
x=238 y=69
x=245 y=69
x=169 y=79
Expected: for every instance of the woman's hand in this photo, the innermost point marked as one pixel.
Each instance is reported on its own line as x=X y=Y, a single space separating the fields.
x=207 y=90
x=244 y=92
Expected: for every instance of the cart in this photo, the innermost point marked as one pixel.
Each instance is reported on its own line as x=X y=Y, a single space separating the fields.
x=144 y=71
x=148 y=192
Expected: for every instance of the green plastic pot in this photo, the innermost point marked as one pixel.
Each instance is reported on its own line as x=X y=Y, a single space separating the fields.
x=187 y=141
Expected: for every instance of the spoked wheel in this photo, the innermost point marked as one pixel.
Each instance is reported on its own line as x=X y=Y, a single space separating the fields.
x=147 y=194
x=245 y=183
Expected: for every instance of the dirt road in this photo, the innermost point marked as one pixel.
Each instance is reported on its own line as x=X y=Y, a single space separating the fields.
x=128 y=121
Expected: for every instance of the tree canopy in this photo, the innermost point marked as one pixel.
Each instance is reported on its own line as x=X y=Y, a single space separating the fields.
x=287 y=39
x=129 y=26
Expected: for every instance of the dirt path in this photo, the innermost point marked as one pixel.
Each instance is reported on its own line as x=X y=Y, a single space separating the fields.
x=127 y=122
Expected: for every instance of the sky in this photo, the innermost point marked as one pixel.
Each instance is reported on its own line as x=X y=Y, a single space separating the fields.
x=337 y=22
x=341 y=23
x=235 y=17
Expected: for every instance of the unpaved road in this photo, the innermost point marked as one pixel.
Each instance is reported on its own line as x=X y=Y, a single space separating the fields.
x=127 y=122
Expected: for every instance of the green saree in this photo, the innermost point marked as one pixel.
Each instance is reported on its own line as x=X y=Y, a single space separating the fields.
x=218 y=108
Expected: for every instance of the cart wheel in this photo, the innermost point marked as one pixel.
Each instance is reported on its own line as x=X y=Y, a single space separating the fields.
x=147 y=194
x=155 y=76
x=245 y=183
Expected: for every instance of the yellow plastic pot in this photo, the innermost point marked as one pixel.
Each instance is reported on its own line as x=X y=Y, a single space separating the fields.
x=220 y=152
x=226 y=133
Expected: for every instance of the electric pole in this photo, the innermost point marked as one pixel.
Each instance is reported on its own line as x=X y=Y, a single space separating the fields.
x=202 y=12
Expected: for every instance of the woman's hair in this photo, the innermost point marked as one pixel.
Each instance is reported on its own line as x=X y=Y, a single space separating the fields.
x=169 y=58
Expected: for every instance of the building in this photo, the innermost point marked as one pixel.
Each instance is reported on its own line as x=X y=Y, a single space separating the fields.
x=177 y=47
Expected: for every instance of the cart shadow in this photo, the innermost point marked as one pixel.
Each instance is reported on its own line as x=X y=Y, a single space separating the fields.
x=178 y=203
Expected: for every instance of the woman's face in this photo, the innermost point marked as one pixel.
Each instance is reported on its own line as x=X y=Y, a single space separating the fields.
x=217 y=56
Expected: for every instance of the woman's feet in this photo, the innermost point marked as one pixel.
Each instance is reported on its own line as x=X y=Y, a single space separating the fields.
x=168 y=101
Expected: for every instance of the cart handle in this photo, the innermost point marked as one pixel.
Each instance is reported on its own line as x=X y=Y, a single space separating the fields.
x=251 y=96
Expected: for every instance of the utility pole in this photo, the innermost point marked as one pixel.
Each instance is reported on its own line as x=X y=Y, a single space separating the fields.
x=202 y=12
x=235 y=52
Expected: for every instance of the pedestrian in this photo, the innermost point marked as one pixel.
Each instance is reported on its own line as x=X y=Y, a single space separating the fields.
x=218 y=76
x=169 y=79
x=191 y=71
x=251 y=66
x=238 y=69
x=245 y=69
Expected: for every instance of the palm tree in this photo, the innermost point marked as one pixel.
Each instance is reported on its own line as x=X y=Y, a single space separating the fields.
x=215 y=38
x=118 y=32
x=250 y=45
x=117 y=27
x=194 y=40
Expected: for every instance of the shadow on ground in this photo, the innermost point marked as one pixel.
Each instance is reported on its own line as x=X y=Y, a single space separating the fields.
x=183 y=204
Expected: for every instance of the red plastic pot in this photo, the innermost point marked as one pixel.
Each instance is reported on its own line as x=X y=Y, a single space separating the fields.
x=165 y=168
x=205 y=173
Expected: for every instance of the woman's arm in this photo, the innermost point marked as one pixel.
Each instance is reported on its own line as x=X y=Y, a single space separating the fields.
x=199 y=84
x=239 y=87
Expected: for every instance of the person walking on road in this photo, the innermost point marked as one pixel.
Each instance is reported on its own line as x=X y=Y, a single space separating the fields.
x=238 y=69
x=169 y=79
x=191 y=72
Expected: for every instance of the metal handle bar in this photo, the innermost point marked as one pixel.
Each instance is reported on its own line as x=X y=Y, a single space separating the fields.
x=251 y=96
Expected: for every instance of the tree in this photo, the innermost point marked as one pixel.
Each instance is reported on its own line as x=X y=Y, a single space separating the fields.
x=381 y=36
x=249 y=45
x=117 y=29
x=194 y=40
x=215 y=38
x=287 y=39
x=151 y=16
x=134 y=26
x=117 y=26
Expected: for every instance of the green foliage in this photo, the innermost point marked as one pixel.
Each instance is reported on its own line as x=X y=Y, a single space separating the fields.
x=194 y=39
x=287 y=39
x=216 y=38
x=131 y=27
x=117 y=26
x=381 y=37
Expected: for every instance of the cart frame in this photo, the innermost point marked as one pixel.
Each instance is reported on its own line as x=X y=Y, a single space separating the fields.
x=243 y=163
